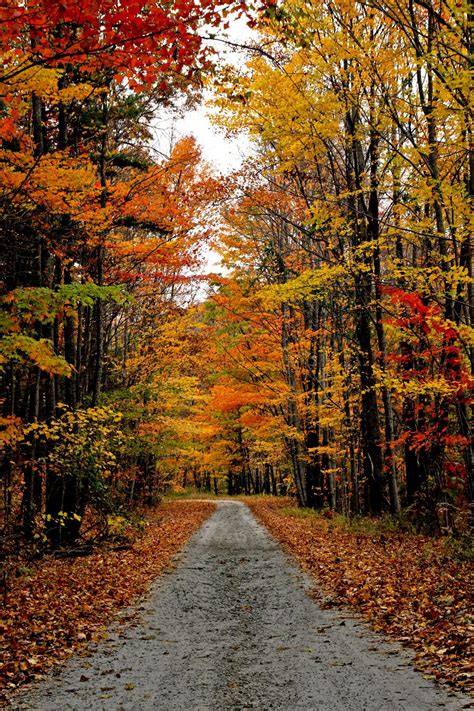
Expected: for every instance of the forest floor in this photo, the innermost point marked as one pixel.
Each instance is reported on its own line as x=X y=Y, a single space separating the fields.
x=56 y=606
x=232 y=627
x=416 y=589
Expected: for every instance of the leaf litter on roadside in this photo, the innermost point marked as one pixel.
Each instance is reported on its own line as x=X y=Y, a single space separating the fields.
x=65 y=603
x=406 y=585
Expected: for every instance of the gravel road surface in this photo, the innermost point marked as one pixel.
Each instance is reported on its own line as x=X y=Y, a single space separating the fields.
x=231 y=627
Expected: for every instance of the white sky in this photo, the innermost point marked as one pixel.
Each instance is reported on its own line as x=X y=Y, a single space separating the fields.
x=225 y=154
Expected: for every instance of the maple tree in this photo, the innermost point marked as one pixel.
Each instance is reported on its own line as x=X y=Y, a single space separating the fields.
x=335 y=361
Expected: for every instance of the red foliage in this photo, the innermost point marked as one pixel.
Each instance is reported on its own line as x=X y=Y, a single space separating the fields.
x=138 y=39
x=431 y=350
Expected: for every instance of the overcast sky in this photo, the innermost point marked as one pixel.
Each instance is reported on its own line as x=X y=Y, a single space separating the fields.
x=224 y=153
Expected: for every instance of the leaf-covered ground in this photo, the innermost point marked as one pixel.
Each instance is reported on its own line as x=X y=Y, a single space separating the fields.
x=64 y=603
x=407 y=586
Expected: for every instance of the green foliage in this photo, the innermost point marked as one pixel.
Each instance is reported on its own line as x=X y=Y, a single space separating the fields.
x=81 y=445
x=43 y=305
x=125 y=160
x=39 y=352
x=30 y=306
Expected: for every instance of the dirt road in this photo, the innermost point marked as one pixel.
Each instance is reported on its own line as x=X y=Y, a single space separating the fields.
x=231 y=627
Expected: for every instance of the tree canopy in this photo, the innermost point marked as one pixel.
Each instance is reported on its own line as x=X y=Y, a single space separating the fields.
x=333 y=361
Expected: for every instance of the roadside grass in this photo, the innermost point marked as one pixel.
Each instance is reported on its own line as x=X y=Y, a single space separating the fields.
x=190 y=494
x=456 y=547
x=363 y=525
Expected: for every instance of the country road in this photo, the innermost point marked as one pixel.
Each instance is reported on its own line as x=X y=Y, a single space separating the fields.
x=231 y=627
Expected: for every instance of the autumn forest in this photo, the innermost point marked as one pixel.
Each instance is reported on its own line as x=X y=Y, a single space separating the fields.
x=328 y=356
